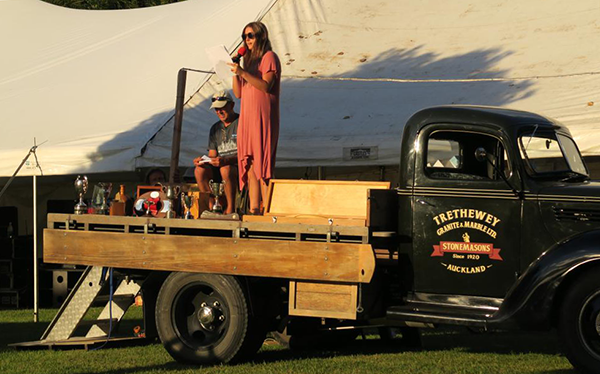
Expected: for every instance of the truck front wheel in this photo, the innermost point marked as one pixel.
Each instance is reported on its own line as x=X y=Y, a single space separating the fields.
x=203 y=318
x=579 y=325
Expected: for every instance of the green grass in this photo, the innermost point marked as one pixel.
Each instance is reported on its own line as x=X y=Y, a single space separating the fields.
x=445 y=351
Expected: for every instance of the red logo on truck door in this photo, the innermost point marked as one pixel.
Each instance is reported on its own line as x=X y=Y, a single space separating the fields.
x=486 y=249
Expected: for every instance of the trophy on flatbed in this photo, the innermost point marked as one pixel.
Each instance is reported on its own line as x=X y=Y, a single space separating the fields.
x=187 y=201
x=105 y=189
x=81 y=185
x=217 y=189
x=171 y=191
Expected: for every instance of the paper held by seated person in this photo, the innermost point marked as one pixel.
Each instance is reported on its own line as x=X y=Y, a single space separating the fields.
x=219 y=58
x=204 y=160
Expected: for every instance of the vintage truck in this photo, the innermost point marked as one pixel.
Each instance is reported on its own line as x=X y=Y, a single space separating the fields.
x=494 y=225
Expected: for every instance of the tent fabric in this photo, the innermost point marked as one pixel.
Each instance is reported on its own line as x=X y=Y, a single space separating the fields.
x=100 y=85
x=354 y=72
x=97 y=85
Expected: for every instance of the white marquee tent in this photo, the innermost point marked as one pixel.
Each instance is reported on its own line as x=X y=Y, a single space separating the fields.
x=99 y=86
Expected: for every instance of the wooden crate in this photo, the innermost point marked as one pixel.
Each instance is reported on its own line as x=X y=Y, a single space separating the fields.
x=320 y=299
x=319 y=202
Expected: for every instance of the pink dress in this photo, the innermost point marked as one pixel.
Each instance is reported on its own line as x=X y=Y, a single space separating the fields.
x=258 y=126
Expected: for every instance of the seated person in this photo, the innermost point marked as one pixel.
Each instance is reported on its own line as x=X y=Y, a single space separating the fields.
x=155 y=177
x=222 y=150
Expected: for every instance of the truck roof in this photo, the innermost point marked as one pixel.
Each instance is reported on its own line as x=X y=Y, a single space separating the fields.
x=501 y=118
x=505 y=121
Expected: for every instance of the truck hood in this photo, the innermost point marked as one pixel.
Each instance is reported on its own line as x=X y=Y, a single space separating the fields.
x=573 y=191
x=568 y=209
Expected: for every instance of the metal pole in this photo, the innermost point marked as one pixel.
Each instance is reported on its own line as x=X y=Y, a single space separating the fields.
x=321 y=173
x=181 y=80
x=35 y=253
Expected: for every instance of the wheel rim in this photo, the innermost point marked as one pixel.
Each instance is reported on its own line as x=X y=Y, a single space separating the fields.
x=589 y=324
x=200 y=316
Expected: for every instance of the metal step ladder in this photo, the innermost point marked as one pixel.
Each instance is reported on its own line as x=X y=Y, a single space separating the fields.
x=82 y=297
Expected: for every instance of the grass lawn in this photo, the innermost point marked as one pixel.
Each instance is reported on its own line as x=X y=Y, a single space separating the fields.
x=445 y=351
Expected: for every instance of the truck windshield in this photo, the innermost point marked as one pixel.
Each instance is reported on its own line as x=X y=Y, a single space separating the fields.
x=549 y=154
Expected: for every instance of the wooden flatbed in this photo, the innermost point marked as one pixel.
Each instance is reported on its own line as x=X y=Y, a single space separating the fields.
x=293 y=251
x=325 y=256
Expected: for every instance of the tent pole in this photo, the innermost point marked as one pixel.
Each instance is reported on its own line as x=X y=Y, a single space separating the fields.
x=35 y=253
x=181 y=79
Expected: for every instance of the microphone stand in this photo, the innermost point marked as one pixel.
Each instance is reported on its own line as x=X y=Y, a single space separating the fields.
x=177 y=122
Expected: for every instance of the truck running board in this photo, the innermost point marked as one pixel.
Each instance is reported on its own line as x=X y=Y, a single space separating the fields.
x=441 y=315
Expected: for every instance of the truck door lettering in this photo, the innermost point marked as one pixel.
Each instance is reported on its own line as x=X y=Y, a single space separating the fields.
x=459 y=247
x=466 y=213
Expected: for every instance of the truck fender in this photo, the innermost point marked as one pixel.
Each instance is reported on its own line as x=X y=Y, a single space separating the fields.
x=531 y=301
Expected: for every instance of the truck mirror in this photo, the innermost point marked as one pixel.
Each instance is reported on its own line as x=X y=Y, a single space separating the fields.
x=481 y=154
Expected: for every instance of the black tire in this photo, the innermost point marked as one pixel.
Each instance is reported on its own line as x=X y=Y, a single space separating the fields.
x=223 y=334
x=579 y=324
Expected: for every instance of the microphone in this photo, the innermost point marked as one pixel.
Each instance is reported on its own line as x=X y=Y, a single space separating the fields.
x=240 y=54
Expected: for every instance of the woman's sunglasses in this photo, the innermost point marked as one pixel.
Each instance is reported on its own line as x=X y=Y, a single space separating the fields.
x=220 y=98
x=248 y=35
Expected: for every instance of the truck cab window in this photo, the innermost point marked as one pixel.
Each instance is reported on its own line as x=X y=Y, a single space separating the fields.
x=444 y=153
x=451 y=155
x=550 y=154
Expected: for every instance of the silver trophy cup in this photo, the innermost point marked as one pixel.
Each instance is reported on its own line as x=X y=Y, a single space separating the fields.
x=172 y=192
x=81 y=186
x=105 y=189
x=187 y=201
x=217 y=189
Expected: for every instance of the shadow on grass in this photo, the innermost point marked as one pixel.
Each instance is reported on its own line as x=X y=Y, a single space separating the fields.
x=18 y=332
x=501 y=342
x=446 y=339
x=462 y=340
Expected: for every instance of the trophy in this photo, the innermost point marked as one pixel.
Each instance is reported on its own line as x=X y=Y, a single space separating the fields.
x=149 y=203
x=187 y=201
x=81 y=185
x=171 y=192
x=105 y=189
x=217 y=190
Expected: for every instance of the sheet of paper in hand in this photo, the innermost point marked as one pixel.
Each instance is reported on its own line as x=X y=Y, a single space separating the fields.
x=204 y=159
x=219 y=58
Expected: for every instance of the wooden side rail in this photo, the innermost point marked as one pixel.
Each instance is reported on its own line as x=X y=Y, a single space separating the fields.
x=319 y=261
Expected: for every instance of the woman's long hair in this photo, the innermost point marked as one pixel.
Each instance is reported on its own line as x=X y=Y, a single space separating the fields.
x=262 y=44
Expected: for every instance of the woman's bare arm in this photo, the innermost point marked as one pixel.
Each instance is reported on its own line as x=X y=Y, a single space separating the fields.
x=263 y=84
x=237 y=86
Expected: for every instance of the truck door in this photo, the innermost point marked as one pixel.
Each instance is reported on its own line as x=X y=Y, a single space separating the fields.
x=466 y=223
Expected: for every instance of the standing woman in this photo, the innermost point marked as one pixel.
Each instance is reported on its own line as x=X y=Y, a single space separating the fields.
x=257 y=85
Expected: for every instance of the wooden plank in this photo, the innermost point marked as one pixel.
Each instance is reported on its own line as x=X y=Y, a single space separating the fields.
x=341 y=199
x=307 y=220
x=342 y=262
x=259 y=223
x=385 y=254
x=318 y=299
x=320 y=287
x=141 y=221
x=324 y=302
x=302 y=228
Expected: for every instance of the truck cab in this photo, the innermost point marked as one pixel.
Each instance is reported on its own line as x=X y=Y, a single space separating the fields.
x=498 y=220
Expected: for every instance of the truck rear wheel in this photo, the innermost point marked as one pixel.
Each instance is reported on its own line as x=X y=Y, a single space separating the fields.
x=579 y=325
x=204 y=319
